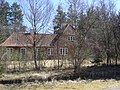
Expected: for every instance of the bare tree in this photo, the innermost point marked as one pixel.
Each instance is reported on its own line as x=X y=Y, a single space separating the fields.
x=38 y=13
x=105 y=31
x=82 y=21
x=105 y=25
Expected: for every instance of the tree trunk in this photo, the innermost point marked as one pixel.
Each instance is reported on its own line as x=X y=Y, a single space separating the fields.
x=58 y=55
x=34 y=56
x=77 y=68
x=116 y=60
x=116 y=54
x=19 y=65
x=108 y=58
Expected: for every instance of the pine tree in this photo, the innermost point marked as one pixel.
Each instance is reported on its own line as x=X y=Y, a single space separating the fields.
x=16 y=18
x=4 y=20
x=59 y=20
x=4 y=12
x=72 y=15
x=11 y=19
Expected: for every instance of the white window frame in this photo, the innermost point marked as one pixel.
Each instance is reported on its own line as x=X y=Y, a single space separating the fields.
x=71 y=38
x=49 y=51
x=9 y=50
x=63 y=51
x=21 y=53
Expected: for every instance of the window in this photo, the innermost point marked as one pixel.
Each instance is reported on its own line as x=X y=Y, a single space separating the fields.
x=9 y=50
x=49 y=51
x=63 y=51
x=71 y=38
x=22 y=53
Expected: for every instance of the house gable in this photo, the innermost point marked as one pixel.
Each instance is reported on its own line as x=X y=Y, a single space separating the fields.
x=65 y=33
x=69 y=30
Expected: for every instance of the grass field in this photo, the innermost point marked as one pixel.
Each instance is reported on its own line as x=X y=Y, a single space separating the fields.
x=69 y=85
x=58 y=85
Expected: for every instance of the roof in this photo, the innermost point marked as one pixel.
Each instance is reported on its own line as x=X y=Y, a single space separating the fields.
x=23 y=39
x=42 y=40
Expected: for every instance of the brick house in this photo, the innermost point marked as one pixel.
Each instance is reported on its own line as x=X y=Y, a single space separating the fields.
x=52 y=46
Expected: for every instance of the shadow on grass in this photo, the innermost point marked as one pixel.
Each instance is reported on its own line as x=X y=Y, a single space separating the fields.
x=92 y=72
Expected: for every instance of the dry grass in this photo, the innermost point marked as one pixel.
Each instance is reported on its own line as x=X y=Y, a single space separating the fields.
x=84 y=85
x=70 y=85
x=10 y=65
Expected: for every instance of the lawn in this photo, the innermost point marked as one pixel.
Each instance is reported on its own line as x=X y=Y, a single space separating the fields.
x=68 y=85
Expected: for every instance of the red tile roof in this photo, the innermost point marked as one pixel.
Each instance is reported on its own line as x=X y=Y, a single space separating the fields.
x=22 y=39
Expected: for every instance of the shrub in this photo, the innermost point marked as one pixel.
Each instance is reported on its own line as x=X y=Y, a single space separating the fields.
x=2 y=68
x=97 y=59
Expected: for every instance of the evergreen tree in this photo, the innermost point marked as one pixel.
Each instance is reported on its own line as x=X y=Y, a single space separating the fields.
x=4 y=20
x=16 y=18
x=4 y=12
x=11 y=19
x=59 y=20
x=72 y=15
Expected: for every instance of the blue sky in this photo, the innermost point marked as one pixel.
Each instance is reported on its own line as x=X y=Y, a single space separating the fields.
x=56 y=2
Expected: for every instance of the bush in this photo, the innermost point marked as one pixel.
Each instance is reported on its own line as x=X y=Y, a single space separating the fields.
x=2 y=69
x=97 y=59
